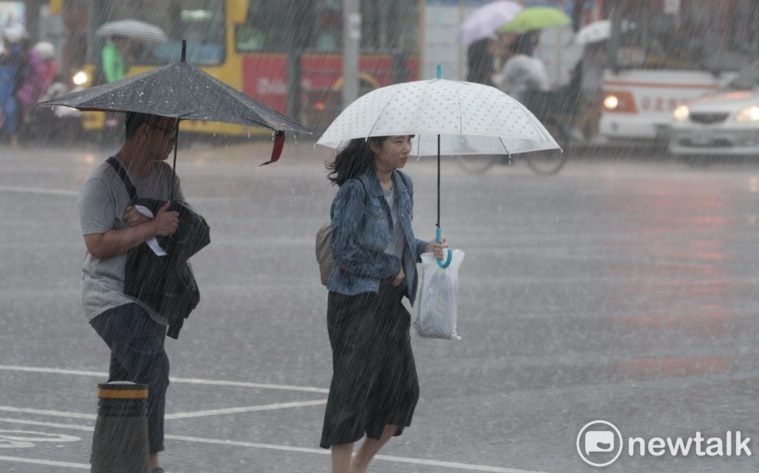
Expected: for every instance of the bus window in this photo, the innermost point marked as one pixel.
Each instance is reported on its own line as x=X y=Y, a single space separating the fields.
x=390 y=25
x=199 y=22
x=274 y=26
x=317 y=26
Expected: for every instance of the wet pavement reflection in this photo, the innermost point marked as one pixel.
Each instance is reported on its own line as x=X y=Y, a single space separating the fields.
x=620 y=289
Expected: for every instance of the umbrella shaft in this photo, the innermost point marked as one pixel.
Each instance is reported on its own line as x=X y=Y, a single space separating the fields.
x=438 y=181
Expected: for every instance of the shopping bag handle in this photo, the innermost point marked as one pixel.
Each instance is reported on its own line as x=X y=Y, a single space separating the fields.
x=438 y=239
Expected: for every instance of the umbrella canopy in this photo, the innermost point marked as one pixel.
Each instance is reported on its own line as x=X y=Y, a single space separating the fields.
x=485 y=21
x=469 y=118
x=536 y=18
x=446 y=118
x=593 y=33
x=182 y=91
x=133 y=29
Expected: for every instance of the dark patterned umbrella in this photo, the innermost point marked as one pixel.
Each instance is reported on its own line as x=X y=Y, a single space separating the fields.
x=184 y=92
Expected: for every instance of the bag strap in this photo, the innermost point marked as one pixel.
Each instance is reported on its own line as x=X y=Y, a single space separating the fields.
x=116 y=164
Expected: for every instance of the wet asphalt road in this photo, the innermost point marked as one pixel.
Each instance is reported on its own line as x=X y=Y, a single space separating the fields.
x=621 y=290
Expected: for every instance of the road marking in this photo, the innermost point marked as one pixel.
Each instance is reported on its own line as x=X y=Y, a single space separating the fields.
x=240 y=410
x=80 y=466
x=322 y=451
x=47 y=424
x=27 y=438
x=36 y=190
x=283 y=448
x=71 y=415
x=207 y=382
x=287 y=448
x=176 y=415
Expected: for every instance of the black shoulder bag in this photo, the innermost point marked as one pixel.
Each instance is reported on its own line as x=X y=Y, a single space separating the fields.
x=165 y=283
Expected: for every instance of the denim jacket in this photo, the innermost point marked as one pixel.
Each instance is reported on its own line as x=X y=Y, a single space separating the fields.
x=362 y=227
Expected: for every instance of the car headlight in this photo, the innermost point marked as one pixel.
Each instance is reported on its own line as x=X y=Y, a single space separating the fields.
x=681 y=113
x=80 y=78
x=748 y=114
x=611 y=102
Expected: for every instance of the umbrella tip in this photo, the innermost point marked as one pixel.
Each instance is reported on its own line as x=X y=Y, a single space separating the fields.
x=184 y=50
x=439 y=72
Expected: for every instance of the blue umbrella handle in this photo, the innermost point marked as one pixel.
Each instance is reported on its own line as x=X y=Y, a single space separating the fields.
x=438 y=238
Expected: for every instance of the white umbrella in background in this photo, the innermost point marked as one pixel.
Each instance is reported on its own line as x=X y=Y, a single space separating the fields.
x=593 y=32
x=486 y=20
x=133 y=29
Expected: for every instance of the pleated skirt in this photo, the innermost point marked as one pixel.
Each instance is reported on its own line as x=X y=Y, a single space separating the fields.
x=374 y=380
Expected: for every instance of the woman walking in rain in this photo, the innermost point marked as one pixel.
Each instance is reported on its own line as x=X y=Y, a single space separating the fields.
x=374 y=387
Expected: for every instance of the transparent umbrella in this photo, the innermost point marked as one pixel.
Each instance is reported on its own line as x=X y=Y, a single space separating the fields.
x=134 y=29
x=446 y=118
x=484 y=21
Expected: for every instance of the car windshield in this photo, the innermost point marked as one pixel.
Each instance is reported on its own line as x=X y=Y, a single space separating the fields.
x=746 y=79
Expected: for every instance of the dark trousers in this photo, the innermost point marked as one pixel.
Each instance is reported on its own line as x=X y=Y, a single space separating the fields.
x=138 y=355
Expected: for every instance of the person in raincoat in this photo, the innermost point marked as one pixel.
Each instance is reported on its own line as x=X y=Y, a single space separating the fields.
x=113 y=58
x=592 y=66
x=480 y=62
x=111 y=226
x=12 y=73
x=374 y=388
x=522 y=73
x=36 y=80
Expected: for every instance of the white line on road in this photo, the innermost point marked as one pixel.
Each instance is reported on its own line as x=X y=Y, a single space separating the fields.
x=239 y=410
x=79 y=466
x=36 y=190
x=70 y=415
x=285 y=448
x=207 y=382
x=177 y=415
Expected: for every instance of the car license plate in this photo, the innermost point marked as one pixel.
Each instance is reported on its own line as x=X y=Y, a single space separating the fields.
x=701 y=139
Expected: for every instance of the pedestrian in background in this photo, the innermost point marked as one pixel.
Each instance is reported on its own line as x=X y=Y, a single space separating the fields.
x=374 y=388
x=114 y=62
x=522 y=73
x=592 y=65
x=111 y=226
x=480 y=62
x=114 y=59
x=12 y=74
x=36 y=80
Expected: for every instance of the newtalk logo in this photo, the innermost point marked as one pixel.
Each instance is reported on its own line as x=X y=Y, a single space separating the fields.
x=600 y=443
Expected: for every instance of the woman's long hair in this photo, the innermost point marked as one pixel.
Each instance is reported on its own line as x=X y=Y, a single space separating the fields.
x=354 y=160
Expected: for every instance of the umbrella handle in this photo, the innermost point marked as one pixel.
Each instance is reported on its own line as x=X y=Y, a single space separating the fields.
x=438 y=238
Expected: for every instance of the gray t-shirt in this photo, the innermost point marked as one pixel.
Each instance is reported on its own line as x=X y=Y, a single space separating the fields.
x=102 y=202
x=395 y=247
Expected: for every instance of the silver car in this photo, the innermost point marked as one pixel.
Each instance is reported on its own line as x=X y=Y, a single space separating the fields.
x=725 y=123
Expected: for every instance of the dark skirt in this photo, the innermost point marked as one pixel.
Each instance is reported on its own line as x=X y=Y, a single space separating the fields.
x=374 y=381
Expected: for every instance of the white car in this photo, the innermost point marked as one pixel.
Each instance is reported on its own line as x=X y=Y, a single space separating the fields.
x=725 y=123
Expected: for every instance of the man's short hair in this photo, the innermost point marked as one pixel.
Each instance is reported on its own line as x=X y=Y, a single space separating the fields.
x=133 y=121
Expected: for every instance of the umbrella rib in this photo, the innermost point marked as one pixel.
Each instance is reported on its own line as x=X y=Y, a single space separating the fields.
x=382 y=110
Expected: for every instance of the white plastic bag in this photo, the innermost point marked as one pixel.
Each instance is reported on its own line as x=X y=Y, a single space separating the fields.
x=438 y=299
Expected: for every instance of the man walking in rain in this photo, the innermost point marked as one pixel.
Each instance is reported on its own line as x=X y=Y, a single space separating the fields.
x=111 y=226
